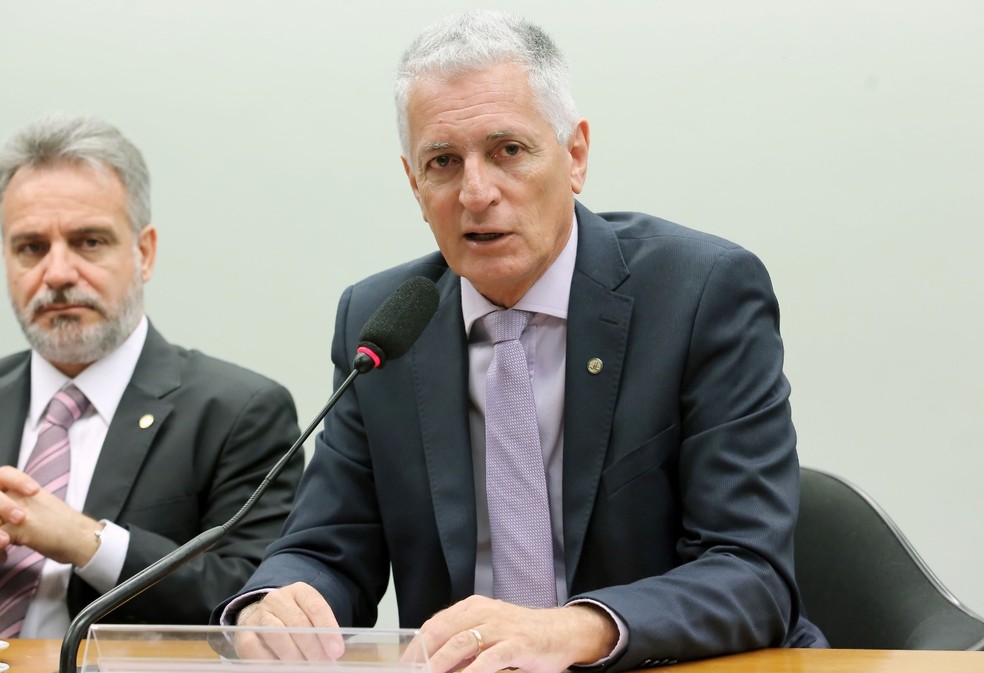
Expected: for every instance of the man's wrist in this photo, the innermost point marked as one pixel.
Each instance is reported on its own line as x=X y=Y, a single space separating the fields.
x=622 y=631
x=232 y=614
x=91 y=532
x=605 y=632
x=246 y=611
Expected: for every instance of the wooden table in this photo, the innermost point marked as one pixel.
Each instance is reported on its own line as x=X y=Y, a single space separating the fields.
x=837 y=661
x=41 y=656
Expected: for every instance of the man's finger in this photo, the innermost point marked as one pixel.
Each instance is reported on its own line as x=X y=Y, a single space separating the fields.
x=292 y=610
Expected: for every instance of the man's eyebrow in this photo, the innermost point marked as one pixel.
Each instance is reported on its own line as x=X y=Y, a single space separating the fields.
x=25 y=237
x=437 y=147
x=494 y=135
x=91 y=229
x=499 y=135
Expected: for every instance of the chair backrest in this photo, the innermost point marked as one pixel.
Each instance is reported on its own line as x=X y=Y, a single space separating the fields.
x=863 y=583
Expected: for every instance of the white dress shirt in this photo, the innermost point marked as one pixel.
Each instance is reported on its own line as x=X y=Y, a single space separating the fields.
x=103 y=382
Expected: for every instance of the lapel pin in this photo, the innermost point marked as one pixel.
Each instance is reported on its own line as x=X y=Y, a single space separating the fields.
x=146 y=421
x=595 y=365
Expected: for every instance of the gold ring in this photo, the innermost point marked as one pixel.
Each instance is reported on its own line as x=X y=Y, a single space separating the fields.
x=479 y=640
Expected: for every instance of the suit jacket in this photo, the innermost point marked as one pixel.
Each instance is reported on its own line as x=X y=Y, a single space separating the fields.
x=680 y=475
x=217 y=430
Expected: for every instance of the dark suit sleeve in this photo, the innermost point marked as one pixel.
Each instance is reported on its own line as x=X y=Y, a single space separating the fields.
x=737 y=470
x=333 y=539
x=239 y=436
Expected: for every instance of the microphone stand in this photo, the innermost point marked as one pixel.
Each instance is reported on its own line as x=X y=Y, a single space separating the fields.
x=191 y=549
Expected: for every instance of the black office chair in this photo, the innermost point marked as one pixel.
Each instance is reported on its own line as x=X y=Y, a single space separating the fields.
x=863 y=583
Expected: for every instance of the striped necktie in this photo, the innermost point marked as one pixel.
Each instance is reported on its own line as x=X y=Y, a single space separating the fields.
x=49 y=465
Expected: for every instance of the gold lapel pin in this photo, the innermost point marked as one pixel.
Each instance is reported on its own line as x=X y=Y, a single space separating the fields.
x=595 y=365
x=146 y=421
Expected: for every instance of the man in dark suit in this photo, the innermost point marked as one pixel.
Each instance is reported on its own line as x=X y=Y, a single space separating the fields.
x=668 y=451
x=165 y=443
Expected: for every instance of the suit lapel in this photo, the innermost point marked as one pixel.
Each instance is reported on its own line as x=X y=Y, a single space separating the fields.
x=139 y=417
x=440 y=374
x=15 y=393
x=597 y=330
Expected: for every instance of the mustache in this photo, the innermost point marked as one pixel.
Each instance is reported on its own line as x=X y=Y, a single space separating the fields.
x=71 y=295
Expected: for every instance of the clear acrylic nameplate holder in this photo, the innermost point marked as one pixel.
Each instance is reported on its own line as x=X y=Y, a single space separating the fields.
x=112 y=648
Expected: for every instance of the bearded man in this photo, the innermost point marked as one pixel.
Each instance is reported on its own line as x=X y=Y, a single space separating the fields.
x=115 y=446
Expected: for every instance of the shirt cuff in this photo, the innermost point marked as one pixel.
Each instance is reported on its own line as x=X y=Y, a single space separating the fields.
x=102 y=572
x=235 y=606
x=623 y=633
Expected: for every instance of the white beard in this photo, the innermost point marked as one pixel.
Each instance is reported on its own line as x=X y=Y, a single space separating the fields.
x=66 y=341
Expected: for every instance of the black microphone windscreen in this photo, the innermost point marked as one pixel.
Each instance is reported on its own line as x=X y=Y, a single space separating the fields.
x=396 y=324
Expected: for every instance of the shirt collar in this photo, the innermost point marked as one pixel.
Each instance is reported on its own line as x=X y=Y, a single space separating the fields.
x=550 y=294
x=103 y=382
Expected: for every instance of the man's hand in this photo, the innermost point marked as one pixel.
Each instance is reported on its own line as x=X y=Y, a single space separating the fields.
x=297 y=605
x=33 y=517
x=482 y=635
x=13 y=482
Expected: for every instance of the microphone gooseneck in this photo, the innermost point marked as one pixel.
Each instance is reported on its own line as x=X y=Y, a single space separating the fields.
x=388 y=334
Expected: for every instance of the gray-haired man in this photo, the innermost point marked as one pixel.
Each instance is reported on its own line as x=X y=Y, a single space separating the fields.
x=161 y=442
x=659 y=524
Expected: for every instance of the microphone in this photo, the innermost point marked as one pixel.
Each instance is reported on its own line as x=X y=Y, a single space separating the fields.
x=388 y=333
x=396 y=324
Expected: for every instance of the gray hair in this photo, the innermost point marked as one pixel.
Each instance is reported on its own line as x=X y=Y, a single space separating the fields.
x=480 y=39
x=80 y=140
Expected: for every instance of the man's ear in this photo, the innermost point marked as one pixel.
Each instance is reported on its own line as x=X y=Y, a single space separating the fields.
x=411 y=177
x=578 y=147
x=147 y=245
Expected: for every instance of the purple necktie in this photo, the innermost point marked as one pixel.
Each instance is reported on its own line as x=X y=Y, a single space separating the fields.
x=49 y=465
x=516 y=484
